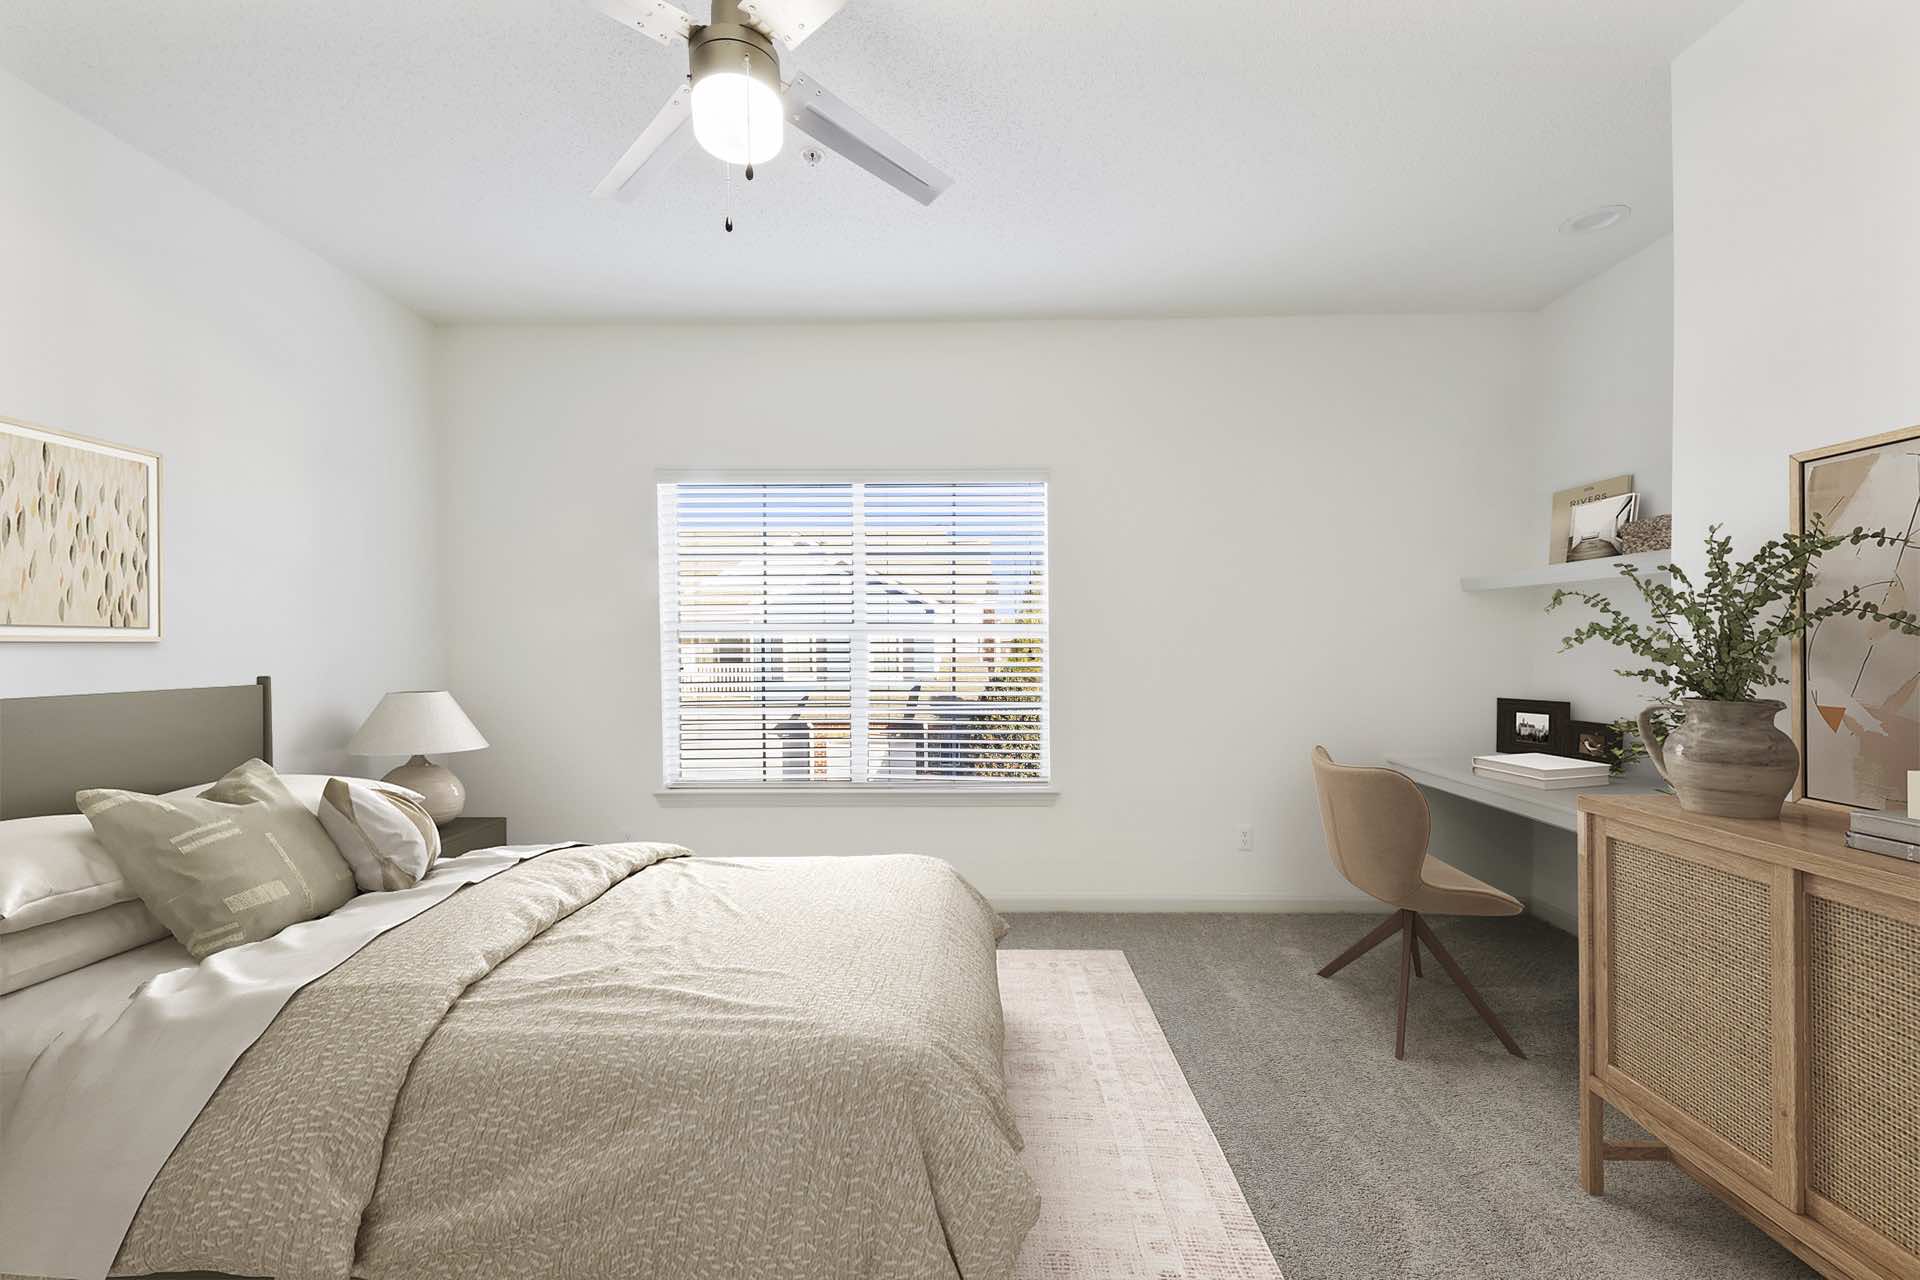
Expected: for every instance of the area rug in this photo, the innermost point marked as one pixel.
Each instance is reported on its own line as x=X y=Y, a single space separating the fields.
x=1132 y=1181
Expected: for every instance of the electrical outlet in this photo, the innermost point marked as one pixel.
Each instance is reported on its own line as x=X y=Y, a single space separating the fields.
x=1246 y=837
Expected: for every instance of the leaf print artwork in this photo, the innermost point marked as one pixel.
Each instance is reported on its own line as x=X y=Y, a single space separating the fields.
x=76 y=538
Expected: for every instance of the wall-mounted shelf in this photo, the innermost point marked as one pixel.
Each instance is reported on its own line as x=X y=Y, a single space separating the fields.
x=1561 y=575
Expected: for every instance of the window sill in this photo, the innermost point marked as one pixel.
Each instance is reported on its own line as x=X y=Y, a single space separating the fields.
x=862 y=797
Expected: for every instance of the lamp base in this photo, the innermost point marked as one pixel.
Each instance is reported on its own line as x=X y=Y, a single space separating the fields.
x=443 y=796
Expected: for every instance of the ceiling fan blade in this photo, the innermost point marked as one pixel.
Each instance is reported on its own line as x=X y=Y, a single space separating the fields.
x=838 y=127
x=664 y=22
x=653 y=152
x=790 y=21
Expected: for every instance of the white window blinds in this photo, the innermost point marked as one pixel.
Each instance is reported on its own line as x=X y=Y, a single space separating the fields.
x=860 y=633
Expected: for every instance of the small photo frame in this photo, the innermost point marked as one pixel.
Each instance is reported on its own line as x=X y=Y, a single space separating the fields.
x=1592 y=740
x=1526 y=724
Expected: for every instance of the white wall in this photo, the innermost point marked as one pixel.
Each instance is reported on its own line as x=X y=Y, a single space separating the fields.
x=1605 y=408
x=1602 y=406
x=1309 y=490
x=1797 y=233
x=1606 y=382
x=290 y=404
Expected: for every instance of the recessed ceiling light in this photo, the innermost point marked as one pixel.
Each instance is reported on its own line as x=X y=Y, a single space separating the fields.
x=1607 y=215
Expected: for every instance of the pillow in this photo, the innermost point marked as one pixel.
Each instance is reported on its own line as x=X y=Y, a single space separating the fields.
x=387 y=837
x=51 y=869
x=237 y=864
x=54 y=868
x=306 y=788
x=46 y=951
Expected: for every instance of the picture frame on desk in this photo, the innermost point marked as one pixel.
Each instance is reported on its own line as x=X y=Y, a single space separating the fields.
x=1594 y=741
x=1529 y=724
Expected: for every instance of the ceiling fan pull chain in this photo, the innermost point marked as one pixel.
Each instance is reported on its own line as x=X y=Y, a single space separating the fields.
x=746 y=87
x=727 y=206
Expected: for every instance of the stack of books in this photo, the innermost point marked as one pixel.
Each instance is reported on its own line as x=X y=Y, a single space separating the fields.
x=1894 y=834
x=1537 y=769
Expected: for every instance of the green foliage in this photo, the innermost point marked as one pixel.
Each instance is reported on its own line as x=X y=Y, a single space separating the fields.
x=1627 y=746
x=1721 y=639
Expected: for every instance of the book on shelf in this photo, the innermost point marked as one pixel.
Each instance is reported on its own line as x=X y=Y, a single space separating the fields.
x=1541 y=784
x=1880 y=844
x=1886 y=825
x=1537 y=764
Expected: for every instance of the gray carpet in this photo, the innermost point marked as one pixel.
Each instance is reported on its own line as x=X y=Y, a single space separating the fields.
x=1459 y=1161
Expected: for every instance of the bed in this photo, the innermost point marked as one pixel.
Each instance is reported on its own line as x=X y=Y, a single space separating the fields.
x=609 y=1060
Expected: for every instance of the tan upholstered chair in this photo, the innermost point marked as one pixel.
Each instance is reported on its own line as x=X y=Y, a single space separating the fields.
x=1376 y=822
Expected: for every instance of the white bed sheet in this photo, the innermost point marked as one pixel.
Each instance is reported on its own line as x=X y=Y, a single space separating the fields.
x=33 y=1018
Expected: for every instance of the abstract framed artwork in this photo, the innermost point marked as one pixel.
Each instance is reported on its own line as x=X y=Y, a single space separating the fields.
x=79 y=538
x=1856 y=685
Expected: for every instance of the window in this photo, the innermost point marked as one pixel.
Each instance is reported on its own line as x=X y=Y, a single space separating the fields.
x=858 y=634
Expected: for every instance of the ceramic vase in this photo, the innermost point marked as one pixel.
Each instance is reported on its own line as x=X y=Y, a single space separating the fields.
x=1726 y=758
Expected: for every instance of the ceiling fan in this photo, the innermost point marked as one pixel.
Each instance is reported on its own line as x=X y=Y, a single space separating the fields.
x=737 y=105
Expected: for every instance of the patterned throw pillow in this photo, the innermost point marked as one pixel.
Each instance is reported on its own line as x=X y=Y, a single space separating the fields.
x=237 y=864
x=382 y=831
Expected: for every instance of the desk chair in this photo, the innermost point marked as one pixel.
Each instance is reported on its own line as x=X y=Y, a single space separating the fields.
x=1377 y=825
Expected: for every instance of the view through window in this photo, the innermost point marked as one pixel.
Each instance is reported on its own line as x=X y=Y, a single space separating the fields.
x=854 y=633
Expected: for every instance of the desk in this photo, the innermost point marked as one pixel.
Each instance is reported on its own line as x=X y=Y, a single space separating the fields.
x=1454 y=775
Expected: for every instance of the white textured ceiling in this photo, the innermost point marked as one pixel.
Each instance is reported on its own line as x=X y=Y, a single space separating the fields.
x=1118 y=157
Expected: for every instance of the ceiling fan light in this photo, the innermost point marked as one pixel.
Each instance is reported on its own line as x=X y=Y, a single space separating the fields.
x=737 y=117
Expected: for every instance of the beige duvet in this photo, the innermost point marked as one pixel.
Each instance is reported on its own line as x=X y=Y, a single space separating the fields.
x=591 y=1066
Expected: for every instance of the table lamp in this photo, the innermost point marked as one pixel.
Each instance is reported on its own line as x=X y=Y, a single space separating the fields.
x=412 y=723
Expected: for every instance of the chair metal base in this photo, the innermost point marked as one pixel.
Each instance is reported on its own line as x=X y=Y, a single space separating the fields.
x=1413 y=931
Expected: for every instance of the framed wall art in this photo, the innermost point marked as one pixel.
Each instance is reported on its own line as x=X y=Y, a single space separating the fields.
x=79 y=538
x=1856 y=684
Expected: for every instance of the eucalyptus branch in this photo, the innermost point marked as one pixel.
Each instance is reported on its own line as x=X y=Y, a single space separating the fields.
x=1719 y=638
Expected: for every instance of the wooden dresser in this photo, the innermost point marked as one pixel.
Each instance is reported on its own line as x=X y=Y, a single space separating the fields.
x=1750 y=994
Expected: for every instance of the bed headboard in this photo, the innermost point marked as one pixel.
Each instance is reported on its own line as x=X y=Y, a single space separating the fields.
x=152 y=740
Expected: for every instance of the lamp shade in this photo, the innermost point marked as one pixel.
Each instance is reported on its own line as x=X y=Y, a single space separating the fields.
x=416 y=722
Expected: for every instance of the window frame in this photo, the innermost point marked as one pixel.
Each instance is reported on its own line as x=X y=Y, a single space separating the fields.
x=1042 y=790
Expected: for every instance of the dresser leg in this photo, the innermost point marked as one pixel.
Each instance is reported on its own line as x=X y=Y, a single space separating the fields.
x=1593 y=1141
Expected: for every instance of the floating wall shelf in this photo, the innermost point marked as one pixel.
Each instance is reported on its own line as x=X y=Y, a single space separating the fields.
x=1560 y=575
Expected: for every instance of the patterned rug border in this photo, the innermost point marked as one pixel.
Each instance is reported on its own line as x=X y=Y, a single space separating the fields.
x=1150 y=1127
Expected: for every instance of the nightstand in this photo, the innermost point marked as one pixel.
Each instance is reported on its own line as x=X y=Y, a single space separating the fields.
x=464 y=835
